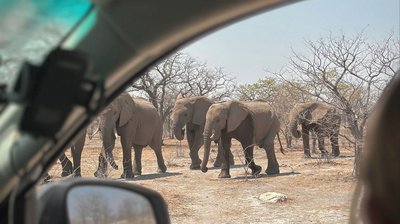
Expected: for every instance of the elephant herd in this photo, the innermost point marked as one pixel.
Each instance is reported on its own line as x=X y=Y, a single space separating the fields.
x=252 y=123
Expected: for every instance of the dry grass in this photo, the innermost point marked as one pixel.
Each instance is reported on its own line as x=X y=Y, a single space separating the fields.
x=319 y=190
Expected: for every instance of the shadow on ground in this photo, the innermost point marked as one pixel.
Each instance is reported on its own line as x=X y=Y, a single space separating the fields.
x=151 y=176
x=330 y=157
x=231 y=167
x=264 y=175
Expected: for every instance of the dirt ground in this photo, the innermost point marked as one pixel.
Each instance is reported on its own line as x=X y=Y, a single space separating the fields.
x=318 y=190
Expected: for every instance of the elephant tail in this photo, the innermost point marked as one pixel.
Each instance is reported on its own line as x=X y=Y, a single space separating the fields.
x=280 y=144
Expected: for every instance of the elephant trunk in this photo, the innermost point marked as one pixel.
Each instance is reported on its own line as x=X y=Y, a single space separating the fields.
x=207 y=148
x=178 y=132
x=293 y=127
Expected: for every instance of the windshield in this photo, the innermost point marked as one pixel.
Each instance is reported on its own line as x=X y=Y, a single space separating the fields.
x=29 y=29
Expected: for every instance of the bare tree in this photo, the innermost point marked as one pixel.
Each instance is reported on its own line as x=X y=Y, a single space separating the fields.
x=349 y=73
x=181 y=74
x=157 y=84
x=201 y=80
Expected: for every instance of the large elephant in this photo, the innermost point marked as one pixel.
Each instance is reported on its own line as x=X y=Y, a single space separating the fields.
x=322 y=119
x=191 y=112
x=250 y=123
x=139 y=125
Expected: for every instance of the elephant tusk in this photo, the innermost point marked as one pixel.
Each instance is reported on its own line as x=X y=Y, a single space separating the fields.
x=97 y=130
x=212 y=136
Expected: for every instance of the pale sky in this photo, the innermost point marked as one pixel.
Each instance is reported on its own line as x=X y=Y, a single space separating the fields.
x=249 y=48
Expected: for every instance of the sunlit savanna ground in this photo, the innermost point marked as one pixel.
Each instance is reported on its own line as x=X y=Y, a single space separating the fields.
x=318 y=190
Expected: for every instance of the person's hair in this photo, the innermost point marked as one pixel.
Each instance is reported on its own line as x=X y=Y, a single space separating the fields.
x=380 y=168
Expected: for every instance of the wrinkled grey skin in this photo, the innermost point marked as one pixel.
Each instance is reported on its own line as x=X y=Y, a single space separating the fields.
x=191 y=112
x=138 y=124
x=252 y=122
x=322 y=119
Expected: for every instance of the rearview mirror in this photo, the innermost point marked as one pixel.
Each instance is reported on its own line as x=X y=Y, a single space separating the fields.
x=99 y=201
x=106 y=204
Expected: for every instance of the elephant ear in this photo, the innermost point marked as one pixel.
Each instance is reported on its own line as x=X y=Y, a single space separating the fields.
x=126 y=105
x=320 y=112
x=237 y=113
x=179 y=96
x=200 y=108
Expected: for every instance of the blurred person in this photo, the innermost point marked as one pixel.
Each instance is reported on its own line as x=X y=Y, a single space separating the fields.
x=377 y=197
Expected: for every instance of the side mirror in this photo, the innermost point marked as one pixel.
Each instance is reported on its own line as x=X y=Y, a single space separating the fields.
x=100 y=201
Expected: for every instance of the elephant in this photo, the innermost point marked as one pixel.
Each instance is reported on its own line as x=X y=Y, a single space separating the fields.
x=191 y=112
x=138 y=124
x=249 y=122
x=321 y=118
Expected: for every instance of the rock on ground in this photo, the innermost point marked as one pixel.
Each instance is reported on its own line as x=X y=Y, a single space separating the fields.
x=272 y=197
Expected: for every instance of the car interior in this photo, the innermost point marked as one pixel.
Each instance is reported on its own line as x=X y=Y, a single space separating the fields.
x=110 y=46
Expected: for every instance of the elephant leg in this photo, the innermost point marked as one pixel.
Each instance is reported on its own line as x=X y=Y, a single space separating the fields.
x=321 y=144
x=76 y=151
x=314 y=143
x=195 y=142
x=225 y=143
x=66 y=165
x=108 y=146
x=102 y=167
x=218 y=160
x=249 y=158
x=305 y=134
x=76 y=157
x=162 y=168
x=126 y=144
x=334 y=138
x=231 y=158
x=273 y=165
x=137 y=163
x=46 y=178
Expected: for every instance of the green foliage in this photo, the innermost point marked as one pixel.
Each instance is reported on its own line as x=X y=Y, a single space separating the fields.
x=274 y=91
x=262 y=89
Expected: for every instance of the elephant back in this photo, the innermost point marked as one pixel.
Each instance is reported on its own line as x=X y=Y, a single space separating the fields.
x=145 y=109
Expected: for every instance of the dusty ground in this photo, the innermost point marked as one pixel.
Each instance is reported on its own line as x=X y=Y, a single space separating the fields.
x=318 y=190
